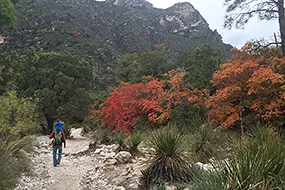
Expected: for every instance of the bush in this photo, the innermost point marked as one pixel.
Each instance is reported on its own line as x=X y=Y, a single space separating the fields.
x=188 y=117
x=89 y=125
x=13 y=160
x=208 y=181
x=129 y=143
x=120 y=139
x=103 y=135
x=209 y=142
x=255 y=162
x=136 y=139
x=18 y=115
x=169 y=159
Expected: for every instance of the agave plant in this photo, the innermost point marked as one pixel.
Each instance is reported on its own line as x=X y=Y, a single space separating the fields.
x=169 y=158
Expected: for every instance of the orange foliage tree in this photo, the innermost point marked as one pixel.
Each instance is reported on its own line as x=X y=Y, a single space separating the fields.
x=247 y=84
x=155 y=99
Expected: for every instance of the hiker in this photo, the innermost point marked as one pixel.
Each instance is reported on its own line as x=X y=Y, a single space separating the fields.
x=58 y=138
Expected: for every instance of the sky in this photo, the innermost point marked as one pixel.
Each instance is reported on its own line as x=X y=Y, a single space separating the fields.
x=213 y=11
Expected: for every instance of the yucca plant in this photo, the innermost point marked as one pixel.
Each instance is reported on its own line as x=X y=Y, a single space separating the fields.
x=169 y=157
x=203 y=146
x=12 y=160
x=256 y=162
x=208 y=181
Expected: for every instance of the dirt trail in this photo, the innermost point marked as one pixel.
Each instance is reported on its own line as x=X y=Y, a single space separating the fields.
x=67 y=175
x=100 y=169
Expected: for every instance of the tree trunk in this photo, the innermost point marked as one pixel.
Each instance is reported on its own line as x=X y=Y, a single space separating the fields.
x=281 y=20
x=241 y=121
x=49 y=124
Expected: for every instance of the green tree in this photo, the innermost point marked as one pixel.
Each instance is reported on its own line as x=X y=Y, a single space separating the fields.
x=18 y=115
x=133 y=66
x=239 y=12
x=201 y=63
x=153 y=63
x=128 y=68
x=6 y=74
x=7 y=16
x=58 y=81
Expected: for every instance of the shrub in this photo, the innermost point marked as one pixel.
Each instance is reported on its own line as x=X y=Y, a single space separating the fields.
x=120 y=139
x=208 y=181
x=129 y=143
x=255 y=162
x=169 y=159
x=203 y=146
x=103 y=135
x=13 y=160
x=18 y=115
x=136 y=139
x=187 y=116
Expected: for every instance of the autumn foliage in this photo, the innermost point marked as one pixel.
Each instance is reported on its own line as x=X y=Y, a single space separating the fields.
x=247 y=84
x=154 y=99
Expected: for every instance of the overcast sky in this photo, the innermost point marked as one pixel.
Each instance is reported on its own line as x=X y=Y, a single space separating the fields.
x=213 y=11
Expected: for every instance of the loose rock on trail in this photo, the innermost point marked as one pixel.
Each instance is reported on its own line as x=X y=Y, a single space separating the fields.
x=101 y=169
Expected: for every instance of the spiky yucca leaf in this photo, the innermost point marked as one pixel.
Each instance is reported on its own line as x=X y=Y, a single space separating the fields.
x=255 y=163
x=258 y=163
x=13 y=160
x=208 y=181
x=168 y=161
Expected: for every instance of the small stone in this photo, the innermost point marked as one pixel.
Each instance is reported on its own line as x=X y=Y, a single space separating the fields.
x=98 y=151
x=110 y=155
x=111 y=162
x=170 y=187
x=134 y=186
x=123 y=157
x=119 y=188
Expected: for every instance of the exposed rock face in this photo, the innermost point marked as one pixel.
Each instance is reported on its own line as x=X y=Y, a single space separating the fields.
x=184 y=20
x=101 y=32
x=124 y=25
x=131 y=3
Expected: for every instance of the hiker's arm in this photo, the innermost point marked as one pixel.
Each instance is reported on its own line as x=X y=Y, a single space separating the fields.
x=64 y=139
x=51 y=135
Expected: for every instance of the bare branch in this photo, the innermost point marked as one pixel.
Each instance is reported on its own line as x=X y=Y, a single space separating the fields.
x=258 y=45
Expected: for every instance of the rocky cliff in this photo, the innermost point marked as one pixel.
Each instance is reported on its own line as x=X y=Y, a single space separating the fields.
x=102 y=31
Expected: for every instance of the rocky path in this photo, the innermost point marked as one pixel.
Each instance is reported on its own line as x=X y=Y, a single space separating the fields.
x=67 y=176
x=102 y=169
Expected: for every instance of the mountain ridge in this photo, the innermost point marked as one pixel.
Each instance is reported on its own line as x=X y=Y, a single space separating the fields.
x=101 y=32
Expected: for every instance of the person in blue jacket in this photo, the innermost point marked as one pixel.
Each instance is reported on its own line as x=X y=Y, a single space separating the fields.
x=58 y=137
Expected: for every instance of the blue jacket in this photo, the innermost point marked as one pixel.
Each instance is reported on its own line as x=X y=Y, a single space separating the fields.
x=58 y=125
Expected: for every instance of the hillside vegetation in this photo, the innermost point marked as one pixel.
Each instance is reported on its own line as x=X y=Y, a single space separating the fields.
x=143 y=78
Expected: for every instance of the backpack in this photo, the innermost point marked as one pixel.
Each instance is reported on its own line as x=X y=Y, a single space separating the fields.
x=58 y=137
